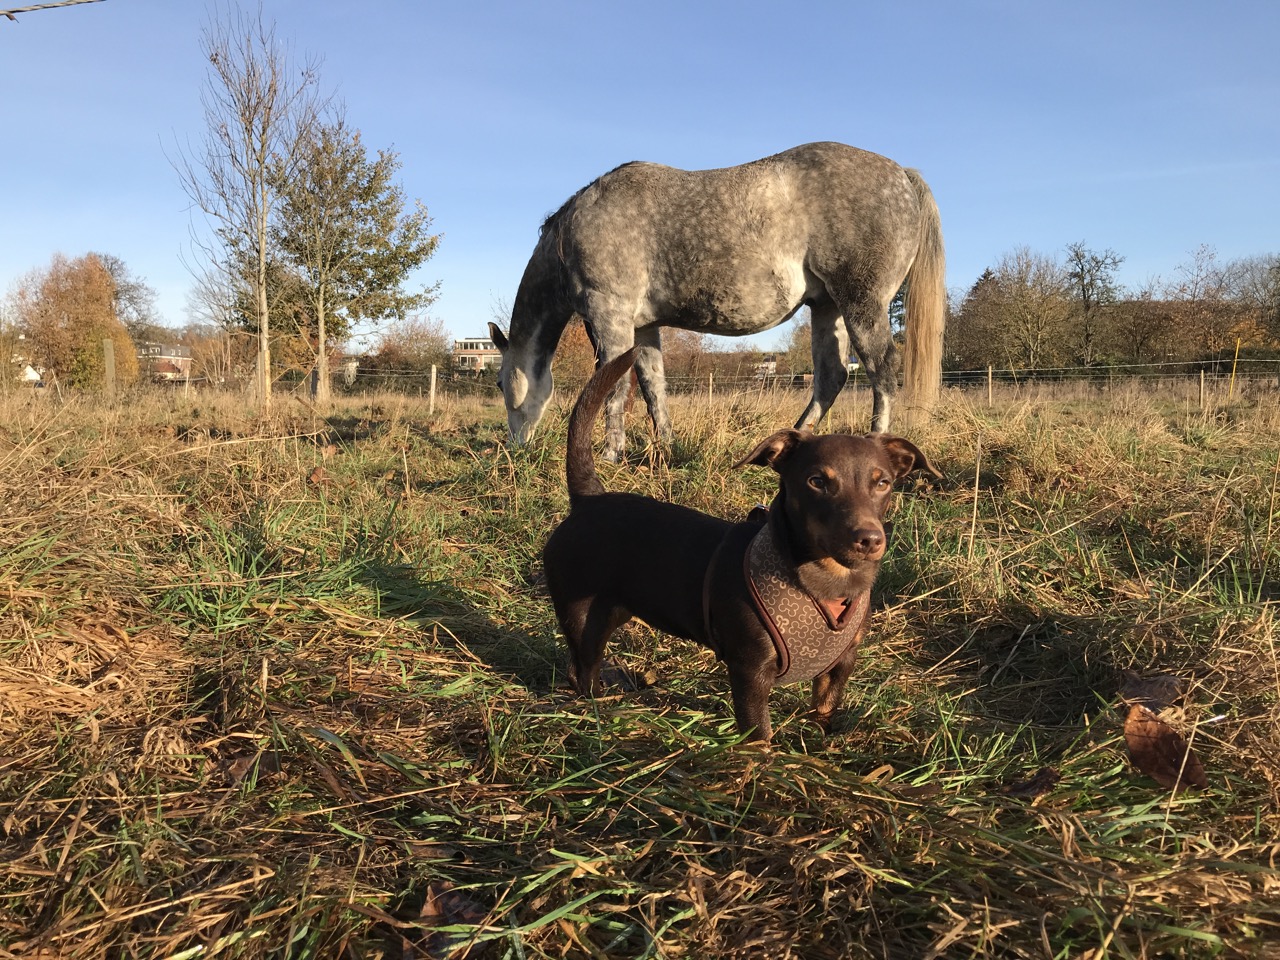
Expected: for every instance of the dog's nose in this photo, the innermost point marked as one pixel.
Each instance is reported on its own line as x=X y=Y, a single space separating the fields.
x=867 y=541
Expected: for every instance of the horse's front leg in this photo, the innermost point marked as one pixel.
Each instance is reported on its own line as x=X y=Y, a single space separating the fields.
x=830 y=361
x=653 y=381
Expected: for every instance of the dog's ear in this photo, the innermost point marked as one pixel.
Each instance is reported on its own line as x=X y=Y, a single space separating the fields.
x=905 y=455
x=773 y=449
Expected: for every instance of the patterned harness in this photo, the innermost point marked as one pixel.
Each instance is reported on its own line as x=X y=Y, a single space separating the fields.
x=808 y=634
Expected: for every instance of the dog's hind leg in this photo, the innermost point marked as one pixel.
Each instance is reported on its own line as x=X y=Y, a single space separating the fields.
x=587 y=624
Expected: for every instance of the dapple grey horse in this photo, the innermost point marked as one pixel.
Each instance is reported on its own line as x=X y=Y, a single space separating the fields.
x=735 y=251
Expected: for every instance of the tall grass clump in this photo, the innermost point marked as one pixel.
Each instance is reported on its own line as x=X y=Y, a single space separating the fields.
x=291 y=686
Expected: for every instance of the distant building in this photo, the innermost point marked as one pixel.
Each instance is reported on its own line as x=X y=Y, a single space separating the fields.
x=164 y=362
x=26 y=373
x=767 y=368
x=474 y=354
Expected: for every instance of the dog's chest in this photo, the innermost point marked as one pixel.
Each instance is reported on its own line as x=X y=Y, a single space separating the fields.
x=808 y=635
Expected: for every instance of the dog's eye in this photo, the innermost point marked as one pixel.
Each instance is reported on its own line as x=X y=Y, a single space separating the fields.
x=884 y=483
x=818 y=482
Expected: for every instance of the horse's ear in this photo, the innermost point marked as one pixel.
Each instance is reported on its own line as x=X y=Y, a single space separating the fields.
x=772 y=450
x=498 y=337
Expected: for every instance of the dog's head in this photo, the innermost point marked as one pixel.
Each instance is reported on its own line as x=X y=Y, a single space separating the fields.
x=833 y=493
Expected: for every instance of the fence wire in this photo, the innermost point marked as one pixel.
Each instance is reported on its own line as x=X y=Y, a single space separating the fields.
x=416 y=382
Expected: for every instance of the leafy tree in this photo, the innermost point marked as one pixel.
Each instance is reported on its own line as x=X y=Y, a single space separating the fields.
x=970 y=339
x=345 y=233
x=66 y=311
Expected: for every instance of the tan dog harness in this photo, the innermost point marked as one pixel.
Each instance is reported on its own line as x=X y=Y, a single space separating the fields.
x=810 y=635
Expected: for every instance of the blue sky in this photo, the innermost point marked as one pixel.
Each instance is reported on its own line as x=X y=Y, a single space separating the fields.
x=1150 y=128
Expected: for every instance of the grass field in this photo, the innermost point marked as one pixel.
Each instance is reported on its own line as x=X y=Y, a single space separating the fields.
x=289 y=687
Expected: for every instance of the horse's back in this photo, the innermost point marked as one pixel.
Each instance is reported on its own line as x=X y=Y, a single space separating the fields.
x=816 y=192
x=723 y=247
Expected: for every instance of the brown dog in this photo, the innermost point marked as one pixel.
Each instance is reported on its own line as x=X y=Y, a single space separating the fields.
x=780 y=600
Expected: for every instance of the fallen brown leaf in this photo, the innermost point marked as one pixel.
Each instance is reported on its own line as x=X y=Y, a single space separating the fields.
x=1159 y=752
x=317 y=475
x=444 y=906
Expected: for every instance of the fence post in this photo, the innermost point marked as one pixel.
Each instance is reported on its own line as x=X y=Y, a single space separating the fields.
x=109 y=356
x=1202 y=389
x=431 y=402
x=989 y=399
x=711 y=380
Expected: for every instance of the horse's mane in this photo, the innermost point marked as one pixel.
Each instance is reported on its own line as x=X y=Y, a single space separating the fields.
x=553 y=220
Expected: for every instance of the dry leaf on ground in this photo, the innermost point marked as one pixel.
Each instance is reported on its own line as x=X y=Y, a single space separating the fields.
x=1159 y=752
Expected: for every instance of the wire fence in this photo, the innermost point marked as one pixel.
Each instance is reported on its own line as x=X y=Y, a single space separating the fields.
x=1213 y=373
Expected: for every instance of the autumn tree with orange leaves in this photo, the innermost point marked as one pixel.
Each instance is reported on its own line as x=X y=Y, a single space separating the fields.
x=65 y=312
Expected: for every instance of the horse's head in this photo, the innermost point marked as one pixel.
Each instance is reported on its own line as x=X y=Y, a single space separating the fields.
x=526 y=386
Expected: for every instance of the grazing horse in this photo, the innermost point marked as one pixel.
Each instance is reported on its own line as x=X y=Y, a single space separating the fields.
x=735 y=251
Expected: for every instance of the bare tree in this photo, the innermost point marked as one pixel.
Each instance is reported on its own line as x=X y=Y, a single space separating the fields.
x=1091 y=280
x=258 y=108
x=1143 y=326
x=1255 y=287
x=135 y=300
x=1033 y=307
x=1205 y=313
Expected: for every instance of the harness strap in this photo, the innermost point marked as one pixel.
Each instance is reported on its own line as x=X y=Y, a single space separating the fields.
x=808 y=634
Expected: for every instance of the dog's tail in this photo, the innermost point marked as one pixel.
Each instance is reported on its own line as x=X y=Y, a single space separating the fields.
x=580 y=464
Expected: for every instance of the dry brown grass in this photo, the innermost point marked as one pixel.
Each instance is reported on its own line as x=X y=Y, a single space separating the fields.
x=249 y=708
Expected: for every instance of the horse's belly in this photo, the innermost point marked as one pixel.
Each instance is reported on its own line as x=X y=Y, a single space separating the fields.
x=730 y=298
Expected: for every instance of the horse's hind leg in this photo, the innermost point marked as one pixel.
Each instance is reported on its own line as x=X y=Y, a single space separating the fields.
x=652 y=379
x=830 y=360
x=611 y=339
x=868 y=325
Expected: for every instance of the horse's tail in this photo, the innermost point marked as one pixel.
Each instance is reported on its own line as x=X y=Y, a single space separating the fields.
x=926 y=313
x=580 y=464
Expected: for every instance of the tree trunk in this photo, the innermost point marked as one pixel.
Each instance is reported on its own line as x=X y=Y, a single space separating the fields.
x=264 y=320
x=322 y=355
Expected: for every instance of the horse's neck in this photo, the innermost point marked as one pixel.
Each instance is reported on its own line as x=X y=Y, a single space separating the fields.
x=541 y=310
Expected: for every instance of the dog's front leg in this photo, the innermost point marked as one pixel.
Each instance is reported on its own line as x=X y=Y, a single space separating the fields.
x=829 y=687
x=750 y=689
